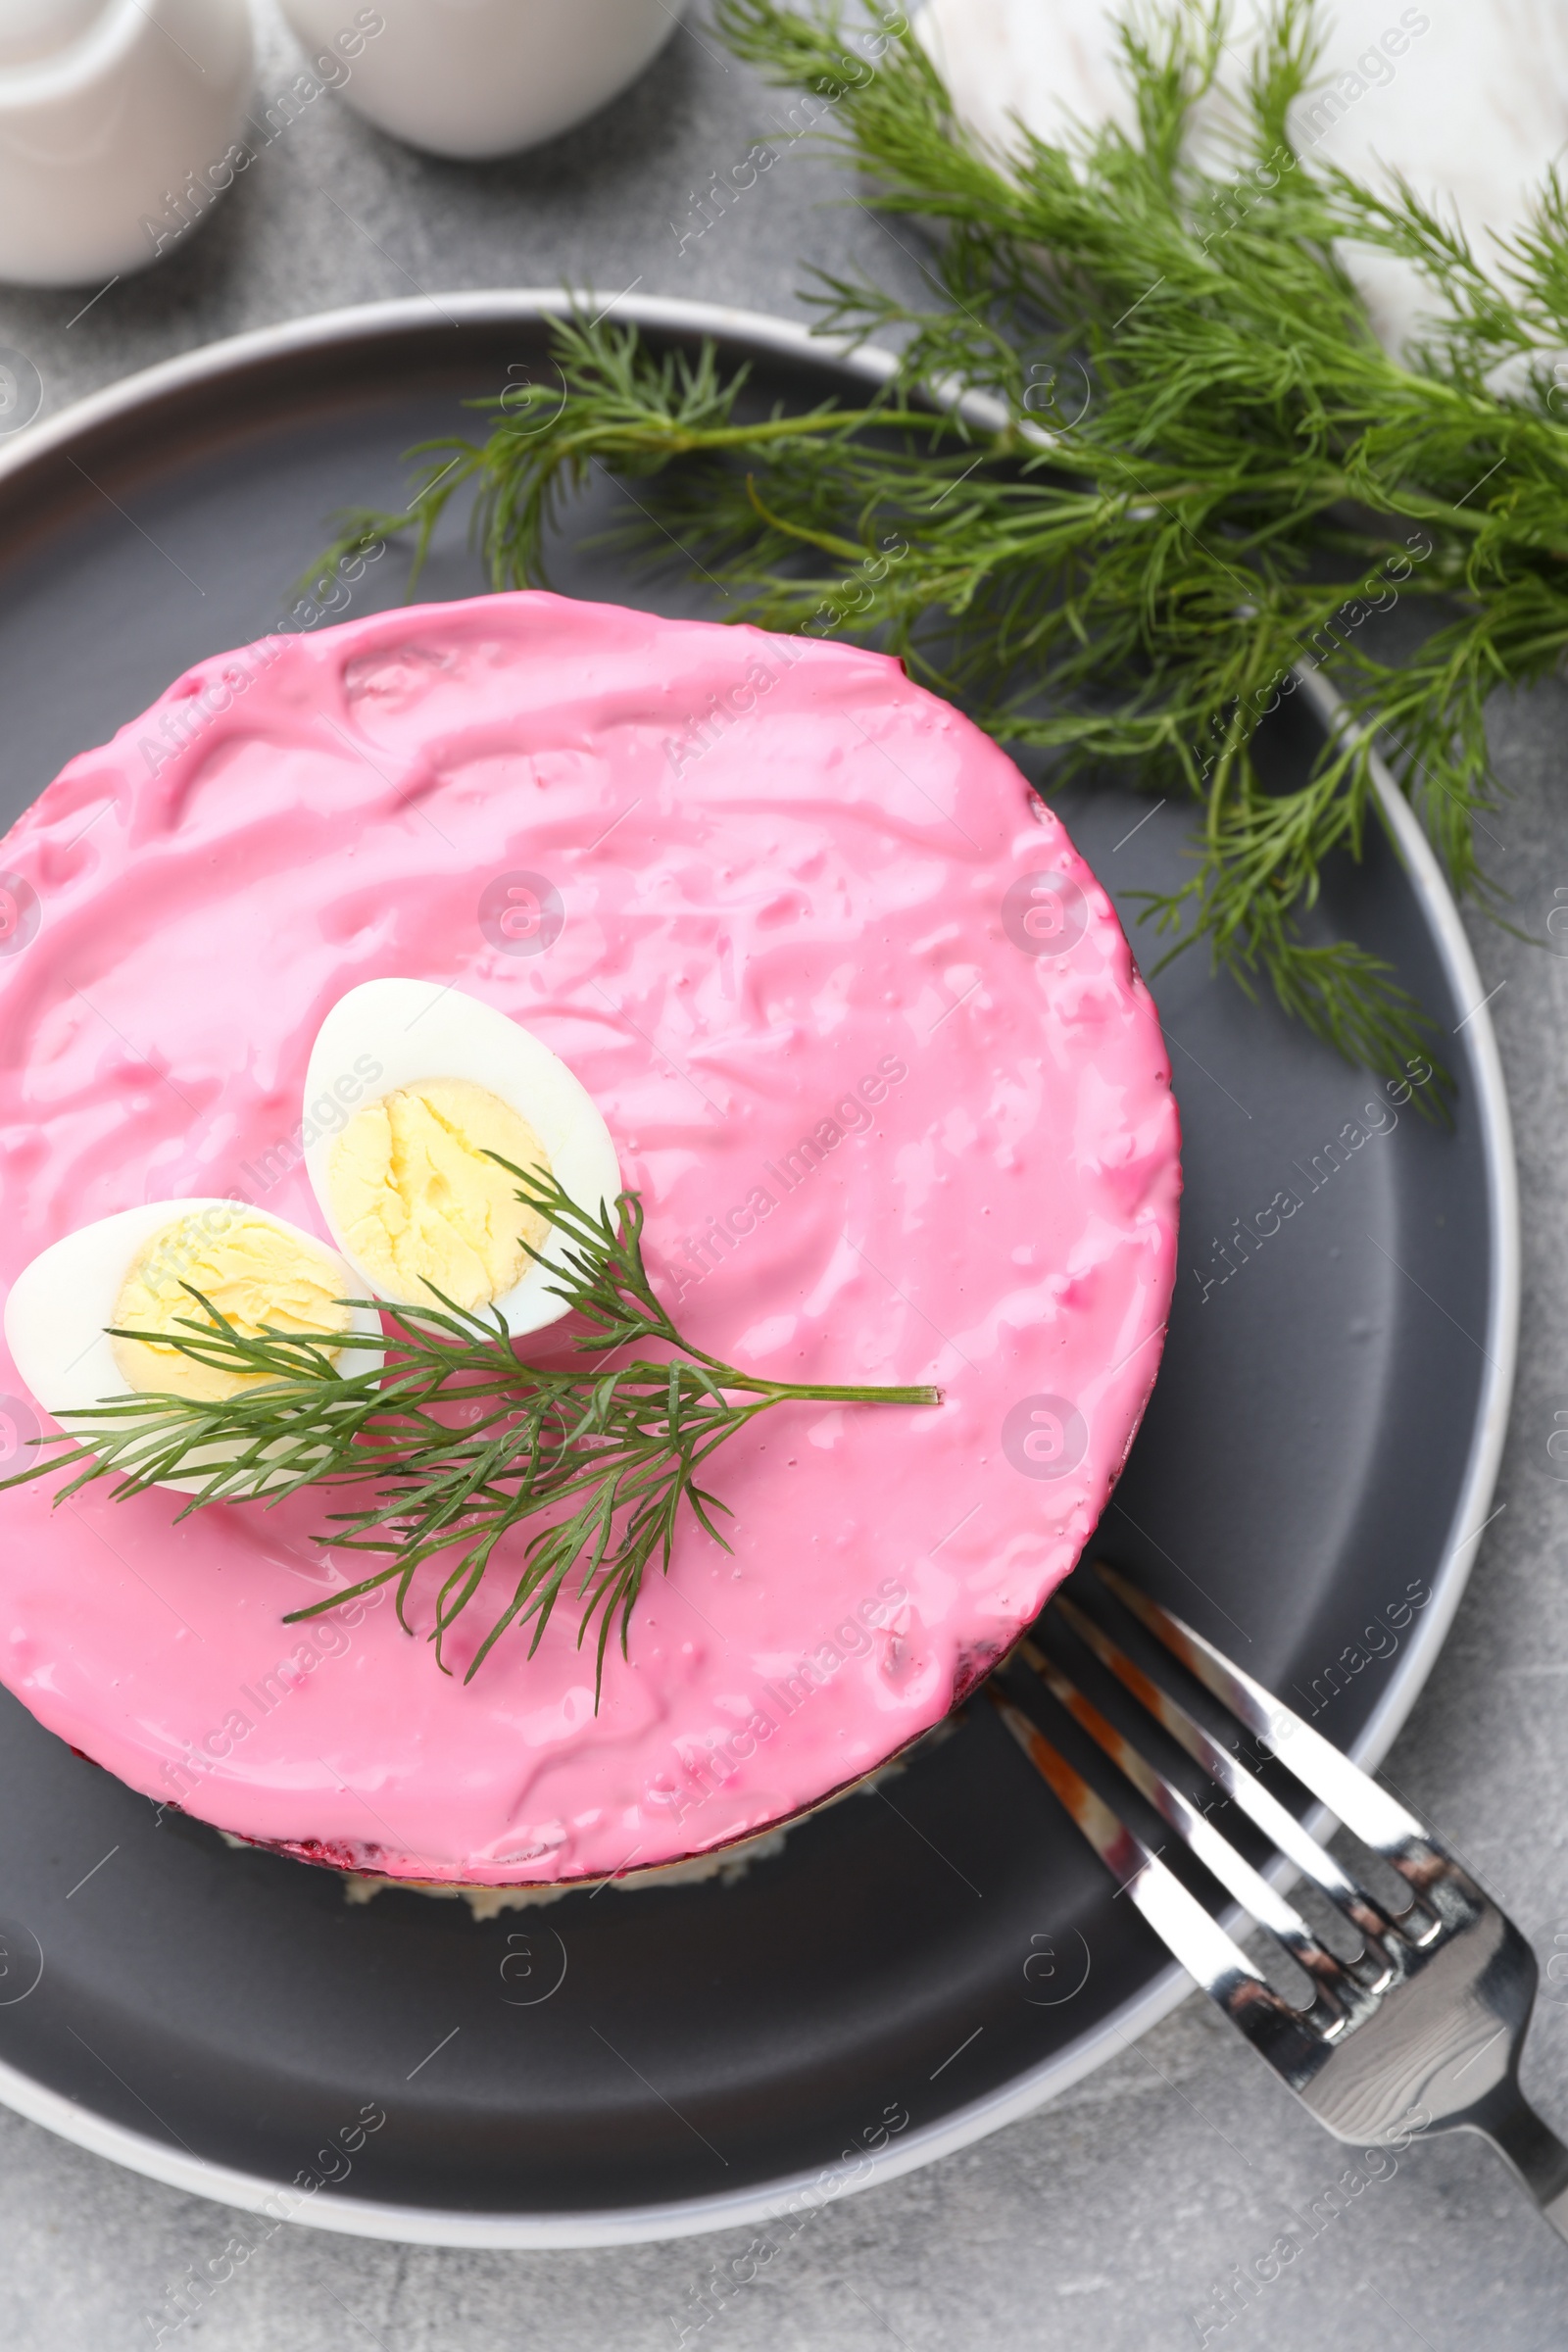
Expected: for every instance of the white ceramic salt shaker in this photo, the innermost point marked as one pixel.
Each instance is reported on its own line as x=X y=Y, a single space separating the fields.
x=484 y=78
x=119 y=123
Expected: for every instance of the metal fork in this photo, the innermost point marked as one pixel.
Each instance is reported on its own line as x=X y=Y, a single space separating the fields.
x=1421 y=2032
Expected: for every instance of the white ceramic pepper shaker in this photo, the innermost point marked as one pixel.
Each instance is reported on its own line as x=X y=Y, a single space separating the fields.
x=118 y=125
x=484 y=78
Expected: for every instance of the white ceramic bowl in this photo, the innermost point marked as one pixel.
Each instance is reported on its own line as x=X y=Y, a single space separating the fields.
x=481 y=78
x=118 y=127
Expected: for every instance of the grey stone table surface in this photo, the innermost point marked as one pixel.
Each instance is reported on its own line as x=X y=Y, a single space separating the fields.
x=1106 y=2220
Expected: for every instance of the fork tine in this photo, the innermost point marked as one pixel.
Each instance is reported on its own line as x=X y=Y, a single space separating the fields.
x=1378 y=1820
x=1200 y=1943
x=1258 y=1803
x=1234 y=1872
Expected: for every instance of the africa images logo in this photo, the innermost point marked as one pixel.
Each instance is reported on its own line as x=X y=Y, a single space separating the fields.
x=1043 y=913
x=521 y=914
x=19 y=913
x=21 y=390
x=19 y=1430
x=1044 y=1436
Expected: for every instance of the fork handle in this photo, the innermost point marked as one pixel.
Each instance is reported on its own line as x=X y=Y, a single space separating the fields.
x=1530 y=2149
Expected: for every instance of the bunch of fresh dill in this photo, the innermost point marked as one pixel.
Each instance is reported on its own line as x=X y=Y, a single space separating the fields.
x=1126 y=574
x=460 y=1441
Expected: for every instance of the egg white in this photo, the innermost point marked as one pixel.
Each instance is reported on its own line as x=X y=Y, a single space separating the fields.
x=60 y=1304
x=412 y=1030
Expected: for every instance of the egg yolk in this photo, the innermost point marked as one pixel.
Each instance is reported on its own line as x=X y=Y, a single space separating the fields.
x=418 y=1203
x=252 y=1272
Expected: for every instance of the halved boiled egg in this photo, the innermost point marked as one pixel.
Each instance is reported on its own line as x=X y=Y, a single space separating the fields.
x=131 y=1271
x=404 y=1180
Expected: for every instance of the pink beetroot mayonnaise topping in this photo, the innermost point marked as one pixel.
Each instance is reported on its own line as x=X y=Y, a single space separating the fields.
x=870 y=1044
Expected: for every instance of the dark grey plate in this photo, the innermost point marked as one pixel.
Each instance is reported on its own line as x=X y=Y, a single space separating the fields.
x=917 y=1967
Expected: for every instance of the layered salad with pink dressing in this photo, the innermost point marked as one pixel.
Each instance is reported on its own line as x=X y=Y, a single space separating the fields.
x=751 y=929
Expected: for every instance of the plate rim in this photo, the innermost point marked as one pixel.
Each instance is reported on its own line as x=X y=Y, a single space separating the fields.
x=696 y=2216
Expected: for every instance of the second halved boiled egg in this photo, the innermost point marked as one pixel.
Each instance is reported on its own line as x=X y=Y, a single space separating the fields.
x=404 y=1182
x=137 y=1271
